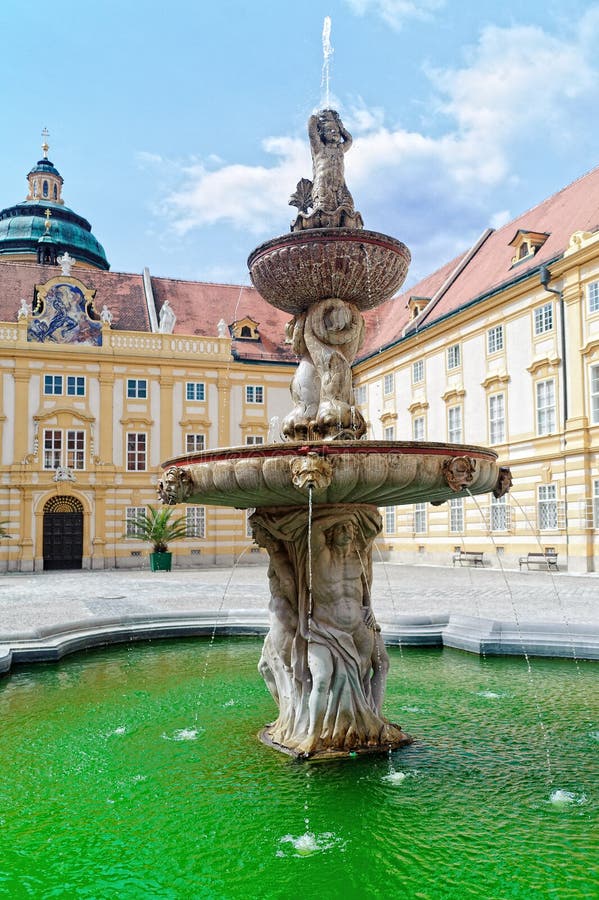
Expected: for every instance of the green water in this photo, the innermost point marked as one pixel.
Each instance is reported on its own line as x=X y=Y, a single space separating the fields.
x=135 y=772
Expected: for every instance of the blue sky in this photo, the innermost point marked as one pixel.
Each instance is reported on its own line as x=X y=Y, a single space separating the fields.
x=180 y=129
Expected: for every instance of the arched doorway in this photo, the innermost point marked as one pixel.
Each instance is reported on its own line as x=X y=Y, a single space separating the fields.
x=63 y=533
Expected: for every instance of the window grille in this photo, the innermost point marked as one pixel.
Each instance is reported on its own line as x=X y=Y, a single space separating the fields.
x=545 y=407
x=418 y=428
x=594 y=395
x=456 y=515
x=131 y=529
x=195 y=443
x=454 y=357
x=75 y=385
x=495 y=339
x=454 y=424
x=195 y=390
x=196 y=521
x=53 y=384
x=543 y=318
x=390 y=520
x=419 y=519
x=497 y=419
x=137 y=388
x=389 y=384
x=418 y=371
x=136 y=451
x=593 y=296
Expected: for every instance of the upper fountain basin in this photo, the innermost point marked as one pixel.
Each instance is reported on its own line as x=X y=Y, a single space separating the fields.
x=298 y=269
x=383 y=473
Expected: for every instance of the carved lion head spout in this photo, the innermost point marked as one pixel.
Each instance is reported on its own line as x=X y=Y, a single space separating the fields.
x=175 y=486
x=311 y=471
x=459 y=472
x=504 y=482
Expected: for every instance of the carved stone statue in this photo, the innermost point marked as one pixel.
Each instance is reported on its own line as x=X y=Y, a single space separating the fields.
x=167 y=319
x=324 y=659
x=327 y=339
x=328 y=194
x=106 y=316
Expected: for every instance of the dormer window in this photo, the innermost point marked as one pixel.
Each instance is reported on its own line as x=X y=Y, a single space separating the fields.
x=245 y=329
x=416 y=305
x=526 y=244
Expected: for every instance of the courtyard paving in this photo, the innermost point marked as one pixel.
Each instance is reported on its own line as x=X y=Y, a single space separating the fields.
x=49 y=600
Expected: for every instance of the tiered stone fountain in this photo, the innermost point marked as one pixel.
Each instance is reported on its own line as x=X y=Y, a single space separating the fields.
x=316 y=494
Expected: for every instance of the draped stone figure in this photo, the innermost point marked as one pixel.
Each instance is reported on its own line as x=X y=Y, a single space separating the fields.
x=324 y=658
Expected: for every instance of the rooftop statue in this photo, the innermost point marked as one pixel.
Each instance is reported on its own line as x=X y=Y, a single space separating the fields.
x=327 y=194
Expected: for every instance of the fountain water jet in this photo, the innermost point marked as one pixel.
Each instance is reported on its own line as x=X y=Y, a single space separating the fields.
x=316 y=495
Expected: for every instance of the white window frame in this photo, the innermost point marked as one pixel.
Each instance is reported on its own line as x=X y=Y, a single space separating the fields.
x=454 y=356
x=418 y=371
x=254 y=393
x=75 y=386
x=455 y=427
x=593 y=296
x=456 y=515
x=495 y=339
x=253 y=440
x=389 y=384
x=53 y=385
x=75 y=449
x=195 y=443
x=419 y=428
x=137 y=389
x=390 y=520
x=63 y=447
x=594 y=393
x=138 y=453
x=545 y=406
x=195 y=391
x=547 y=511
x=360 y=395
x=499 y=514
x=131 y=512
x=596 y=503
x=419 y=518
x=497 y=418
x=543 y=318
x=195 y=518
x=389 y=433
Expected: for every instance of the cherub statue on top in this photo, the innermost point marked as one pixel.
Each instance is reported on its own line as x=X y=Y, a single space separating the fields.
x=327 y=194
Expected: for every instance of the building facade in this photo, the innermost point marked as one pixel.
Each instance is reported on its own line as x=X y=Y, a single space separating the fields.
x=105 y=375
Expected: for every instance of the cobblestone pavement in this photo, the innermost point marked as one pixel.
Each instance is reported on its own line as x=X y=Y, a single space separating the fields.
x=47 y=599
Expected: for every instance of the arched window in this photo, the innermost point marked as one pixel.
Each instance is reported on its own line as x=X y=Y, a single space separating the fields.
x=45 y=189
x=246 y=331
x=524 y=250
x=55 y=192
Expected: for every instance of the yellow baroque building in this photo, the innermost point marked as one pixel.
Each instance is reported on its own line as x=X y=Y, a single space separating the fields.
x=105 y=375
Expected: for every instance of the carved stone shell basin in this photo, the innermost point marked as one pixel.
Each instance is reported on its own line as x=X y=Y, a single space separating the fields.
x=298 y=269
x=384 y=473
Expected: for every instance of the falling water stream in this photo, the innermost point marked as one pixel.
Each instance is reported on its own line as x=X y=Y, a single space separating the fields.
x=327 y=52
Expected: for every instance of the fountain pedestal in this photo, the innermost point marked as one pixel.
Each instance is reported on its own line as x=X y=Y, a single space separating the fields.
x=324 y=659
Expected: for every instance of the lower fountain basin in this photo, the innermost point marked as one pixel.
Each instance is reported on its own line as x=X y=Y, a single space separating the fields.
x=383 y=473
x=296 y=270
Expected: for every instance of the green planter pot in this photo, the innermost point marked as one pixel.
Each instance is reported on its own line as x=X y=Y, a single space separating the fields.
x=161 y=562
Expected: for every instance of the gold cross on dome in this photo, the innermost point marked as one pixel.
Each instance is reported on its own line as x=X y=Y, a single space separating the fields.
x=47 y=222
x=45 y=136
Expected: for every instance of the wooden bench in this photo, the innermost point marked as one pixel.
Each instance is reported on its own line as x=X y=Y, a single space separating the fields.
x=546 y=560
x=471 y=557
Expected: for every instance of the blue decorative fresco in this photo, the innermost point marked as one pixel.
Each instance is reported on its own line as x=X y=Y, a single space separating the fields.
x=63 y=317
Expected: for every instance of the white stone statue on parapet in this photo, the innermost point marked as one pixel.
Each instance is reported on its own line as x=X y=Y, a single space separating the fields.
x=24 y=311
x=66 y=263
x=167 y=319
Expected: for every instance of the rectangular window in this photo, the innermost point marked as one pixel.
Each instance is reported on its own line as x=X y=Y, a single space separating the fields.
x=137 y=446
x=596 y=504
x=418 y=428
x=76 y=385
x=360 y=395
x=195 y=443
x=254 y=439
x=254 y=393
x=499 y=520
x=52 y=448
x=195 y=390
x=389 y=433
x=418 y=371
x=546 y=406
x=195 y=517
x=454 y=424
x=137 y=388
x=543 y=318
x=390 y=520
x=547 y=507
x=495 y=339
x=53 y=384
x=75 y=450
x=454 y=357
x=131 y=529
x=456 y=515
x=496 y=419
x=419 y=518
x=593 y=296
x=388 y=384
x=594 y=395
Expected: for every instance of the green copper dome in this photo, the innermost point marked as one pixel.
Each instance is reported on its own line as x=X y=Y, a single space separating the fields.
x=42 y=219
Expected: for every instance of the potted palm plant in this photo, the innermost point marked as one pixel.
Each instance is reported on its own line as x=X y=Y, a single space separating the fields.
x=158 y=527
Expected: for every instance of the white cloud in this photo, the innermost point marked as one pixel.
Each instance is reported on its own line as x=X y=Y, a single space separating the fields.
x=396 y=12
x=519 y=89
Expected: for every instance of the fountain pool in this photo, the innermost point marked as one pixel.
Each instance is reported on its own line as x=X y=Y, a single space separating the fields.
x=135 y=772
